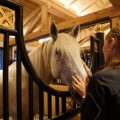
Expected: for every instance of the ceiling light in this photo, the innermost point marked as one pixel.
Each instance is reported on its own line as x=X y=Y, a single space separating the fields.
x=67 y=6
x=106 y=31
x=44 y=39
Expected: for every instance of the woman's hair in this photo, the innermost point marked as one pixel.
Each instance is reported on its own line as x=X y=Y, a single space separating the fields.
x=115 y=33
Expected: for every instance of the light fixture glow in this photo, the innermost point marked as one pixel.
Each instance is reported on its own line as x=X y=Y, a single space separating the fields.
x=67 y=6
x=46 y=39
x=106 y=31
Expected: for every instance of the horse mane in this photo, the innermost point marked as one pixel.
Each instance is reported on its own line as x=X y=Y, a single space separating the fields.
x=40 y=58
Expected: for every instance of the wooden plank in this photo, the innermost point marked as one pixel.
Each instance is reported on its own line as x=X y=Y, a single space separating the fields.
x=31 y=15
x=115 y=21
x=49 y=19
x=29 y=4
x=57 y=13
x=11 y=40
x=115 y=2
x=73 y=2
x=86 y=6
x=1 y=37
x=60 y=7
x=7 y=17
x=32 y=26
x=86 y=48
x=34 y=44
x=44 y=16
x=108 y=12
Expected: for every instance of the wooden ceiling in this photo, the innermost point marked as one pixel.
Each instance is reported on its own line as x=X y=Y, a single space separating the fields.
x=38 y=14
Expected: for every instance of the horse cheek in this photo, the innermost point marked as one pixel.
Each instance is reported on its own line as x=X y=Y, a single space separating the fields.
x=54 y=69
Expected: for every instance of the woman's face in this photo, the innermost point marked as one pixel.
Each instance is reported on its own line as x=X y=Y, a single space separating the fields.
x=108 y=51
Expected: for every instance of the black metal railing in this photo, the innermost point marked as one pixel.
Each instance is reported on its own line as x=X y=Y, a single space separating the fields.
x=22 y=56
x=96 y=46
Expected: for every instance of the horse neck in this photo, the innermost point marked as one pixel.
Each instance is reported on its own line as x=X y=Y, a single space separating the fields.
x=40 y=58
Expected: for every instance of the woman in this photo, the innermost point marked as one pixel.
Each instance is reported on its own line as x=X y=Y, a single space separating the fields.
x=102 y=99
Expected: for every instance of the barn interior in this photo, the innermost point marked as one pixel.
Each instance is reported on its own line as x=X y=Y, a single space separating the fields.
x=97 y=16
x=38 y=14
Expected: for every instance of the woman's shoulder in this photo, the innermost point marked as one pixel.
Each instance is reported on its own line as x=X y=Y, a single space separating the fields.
x=106 y=75
x=108 y=72
x=108 y=79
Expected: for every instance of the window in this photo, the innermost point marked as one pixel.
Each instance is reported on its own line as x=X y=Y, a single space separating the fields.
x=1 y=58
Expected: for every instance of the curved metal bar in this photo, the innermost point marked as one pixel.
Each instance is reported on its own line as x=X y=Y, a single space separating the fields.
x=28 y=65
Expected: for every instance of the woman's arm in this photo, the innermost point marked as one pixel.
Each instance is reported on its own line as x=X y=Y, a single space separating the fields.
x=93 y=107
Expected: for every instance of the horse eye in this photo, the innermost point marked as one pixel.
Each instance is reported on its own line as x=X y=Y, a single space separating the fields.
x=58 y=53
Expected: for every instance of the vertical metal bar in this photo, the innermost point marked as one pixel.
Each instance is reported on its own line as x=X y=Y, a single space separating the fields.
x=57 y=104
x=18 y=84
x=63 y=104
x=5 y=77
x=49 y=106
x=74 y=104
x=19 y=28
x=100 y=36
x=41 y=104
x=30 y=98
x=92 y=53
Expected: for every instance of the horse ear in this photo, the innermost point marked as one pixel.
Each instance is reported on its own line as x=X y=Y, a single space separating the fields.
x=75 y=31
x=53 y=30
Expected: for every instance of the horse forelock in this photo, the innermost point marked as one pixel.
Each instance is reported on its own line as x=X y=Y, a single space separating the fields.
x=68 y=45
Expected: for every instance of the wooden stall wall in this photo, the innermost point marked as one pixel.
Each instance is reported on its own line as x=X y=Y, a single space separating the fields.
x=115 y=21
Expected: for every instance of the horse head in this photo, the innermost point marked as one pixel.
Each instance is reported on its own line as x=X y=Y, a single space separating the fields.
x=65 y=58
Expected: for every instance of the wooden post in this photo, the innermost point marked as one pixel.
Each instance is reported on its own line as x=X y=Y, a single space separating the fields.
x=115 y=21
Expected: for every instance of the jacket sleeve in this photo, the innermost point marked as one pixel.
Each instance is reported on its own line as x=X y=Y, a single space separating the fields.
x=93 y=107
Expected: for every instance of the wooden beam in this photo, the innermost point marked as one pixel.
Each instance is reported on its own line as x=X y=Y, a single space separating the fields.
x=57 y=13
x=11 y=40
x=7 y=18
x=87 y=38
x=86 y=48
x=44 y=16
x=34 y=23
x=1 y=37
x=115 y=2
x=86 y=6
x=115 y=21
x=73 y=2
x=60 y=7
x=69 y=3
x=34 y=44
x=29 y=3
x=108 y=12
x=31 y=16
x=50 y=19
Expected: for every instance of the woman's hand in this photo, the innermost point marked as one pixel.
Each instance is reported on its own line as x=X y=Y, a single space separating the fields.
x=79 y=85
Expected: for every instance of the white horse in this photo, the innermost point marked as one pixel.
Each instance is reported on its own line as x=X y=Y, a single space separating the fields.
x=58 y=58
